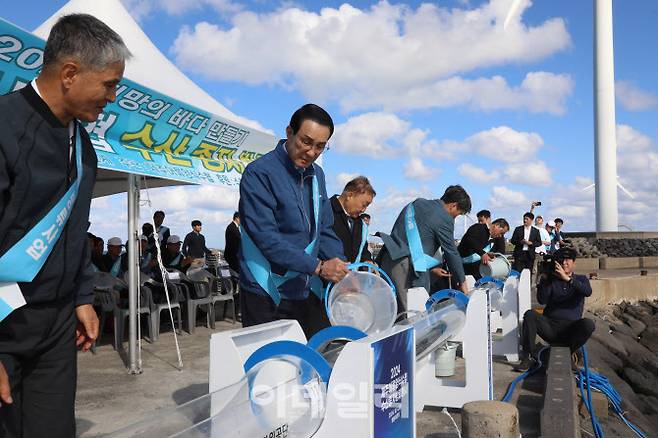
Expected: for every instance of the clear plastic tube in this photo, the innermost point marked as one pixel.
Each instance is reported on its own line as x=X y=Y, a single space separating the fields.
x=282 y=396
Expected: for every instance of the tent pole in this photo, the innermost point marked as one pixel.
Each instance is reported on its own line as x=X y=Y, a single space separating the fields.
x=133 y=286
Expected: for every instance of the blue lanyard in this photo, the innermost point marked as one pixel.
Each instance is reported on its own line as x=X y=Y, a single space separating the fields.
x=260 y=267
x=364 y=239
x=421 y=261
x=23 y=261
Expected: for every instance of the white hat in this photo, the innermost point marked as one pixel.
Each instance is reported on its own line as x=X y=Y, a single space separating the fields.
x=551 y=223
x=173 y=239
x=143 y=237
x=115 y=241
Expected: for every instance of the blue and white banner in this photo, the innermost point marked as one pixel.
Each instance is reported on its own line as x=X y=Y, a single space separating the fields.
x=394 y=361
x=144 y=132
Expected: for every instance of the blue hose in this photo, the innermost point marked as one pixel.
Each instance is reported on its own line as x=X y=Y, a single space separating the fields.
x=530 y=372
x=600 y=383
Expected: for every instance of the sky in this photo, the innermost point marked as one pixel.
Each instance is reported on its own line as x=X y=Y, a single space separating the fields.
x=423 y=95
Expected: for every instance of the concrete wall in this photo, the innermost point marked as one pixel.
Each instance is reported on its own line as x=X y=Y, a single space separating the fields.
x=587 y=265
x=614 y=290
x=619 y=262
x=648 y=262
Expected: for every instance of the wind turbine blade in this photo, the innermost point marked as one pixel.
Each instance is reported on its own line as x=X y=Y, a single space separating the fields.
x=514 y=7
x=589 y=187
x=625 y=191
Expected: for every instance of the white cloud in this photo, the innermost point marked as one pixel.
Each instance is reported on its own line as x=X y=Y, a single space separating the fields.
x=534 y=173
x=503 y=197
x=388 y=55
x=539 y=92
x=505 y=144
x=478 y=174
x=343 y=178
x=631 y=140
x=141 y=9
x=417 y=170
x=370 y=134
x=633 y=98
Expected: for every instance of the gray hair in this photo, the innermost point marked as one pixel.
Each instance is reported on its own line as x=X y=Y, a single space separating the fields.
x=86 y=39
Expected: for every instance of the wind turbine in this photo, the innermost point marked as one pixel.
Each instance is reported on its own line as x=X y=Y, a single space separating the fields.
x=630 y=195
x=605 y=146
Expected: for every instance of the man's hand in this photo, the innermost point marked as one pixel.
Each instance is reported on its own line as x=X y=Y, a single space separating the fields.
x=464 y=288
x=440 y=272
x=486 y=258
x=333 y=270
x=5 y=388
x=87 y=330
x=559 y=271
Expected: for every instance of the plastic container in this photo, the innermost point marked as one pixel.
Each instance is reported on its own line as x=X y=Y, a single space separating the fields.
x=445 y=359
x=499 y=267
x=364 y=301
x=279 y=397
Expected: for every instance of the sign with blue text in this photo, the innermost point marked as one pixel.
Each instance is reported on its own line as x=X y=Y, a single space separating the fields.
x=144 y=132
x=394 y=360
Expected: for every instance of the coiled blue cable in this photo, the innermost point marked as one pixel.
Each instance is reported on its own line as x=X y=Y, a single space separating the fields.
x=600 y=383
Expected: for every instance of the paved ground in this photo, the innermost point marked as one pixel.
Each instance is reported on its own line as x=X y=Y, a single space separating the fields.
x=110 y=399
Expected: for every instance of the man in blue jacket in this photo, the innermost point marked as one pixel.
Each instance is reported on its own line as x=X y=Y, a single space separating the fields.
x=286 y=217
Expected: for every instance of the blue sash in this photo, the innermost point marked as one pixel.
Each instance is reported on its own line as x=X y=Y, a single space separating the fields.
x=421 y=261
x=260 y=267
x=116 y=267
x=176 y=260
x=145 y=261
x=364 y=240
x=23 y=261
x=475 y=257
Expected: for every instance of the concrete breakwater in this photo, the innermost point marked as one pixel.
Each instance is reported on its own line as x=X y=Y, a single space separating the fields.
x=587 y=247
x=624 y=348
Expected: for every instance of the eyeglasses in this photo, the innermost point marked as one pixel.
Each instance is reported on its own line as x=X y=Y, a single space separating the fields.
x=308 y=144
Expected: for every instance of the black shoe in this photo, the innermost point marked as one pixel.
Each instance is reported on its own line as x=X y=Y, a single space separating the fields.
x=526 y=364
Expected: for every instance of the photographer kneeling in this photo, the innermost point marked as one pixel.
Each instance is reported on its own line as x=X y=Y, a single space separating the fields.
x=563 y=294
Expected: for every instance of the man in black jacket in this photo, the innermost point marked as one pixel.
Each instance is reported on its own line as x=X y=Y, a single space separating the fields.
x=477 y=243
x=232 y=238
x=352 y=232
x=194 y=245
x=348 y=225
x=563 y=293
x=44 y=153
x=525 y=239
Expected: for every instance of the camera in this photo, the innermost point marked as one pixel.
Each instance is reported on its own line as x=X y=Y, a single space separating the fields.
x=547 y=265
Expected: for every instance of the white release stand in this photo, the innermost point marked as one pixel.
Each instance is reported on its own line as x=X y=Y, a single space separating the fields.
x=476 y=338
x=507 y=319
x=356 y=391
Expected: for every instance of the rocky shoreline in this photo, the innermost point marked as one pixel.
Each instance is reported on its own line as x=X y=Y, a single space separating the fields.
x=624 y=348
x=591 y=247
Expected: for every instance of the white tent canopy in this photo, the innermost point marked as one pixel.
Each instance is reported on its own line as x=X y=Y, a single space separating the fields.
x=148 y=66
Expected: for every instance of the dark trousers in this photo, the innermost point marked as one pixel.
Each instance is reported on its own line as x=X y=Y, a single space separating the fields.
x=523 y=260
x=317 y=316
x=572 y=334
x=473 y=269
x=37 y=348
x=258 y=309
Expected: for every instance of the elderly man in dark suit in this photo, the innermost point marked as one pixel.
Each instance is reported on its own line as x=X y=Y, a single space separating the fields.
x=525 y=239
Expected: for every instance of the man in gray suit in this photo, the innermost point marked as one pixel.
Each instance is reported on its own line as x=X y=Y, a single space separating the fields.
x=433 y=221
